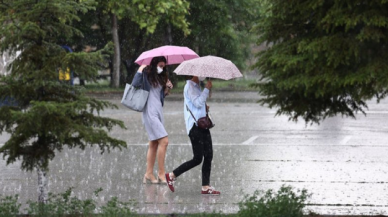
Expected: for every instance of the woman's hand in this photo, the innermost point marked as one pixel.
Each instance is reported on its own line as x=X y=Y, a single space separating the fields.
x=168 y=87
x=169 y=84
x=141 y=68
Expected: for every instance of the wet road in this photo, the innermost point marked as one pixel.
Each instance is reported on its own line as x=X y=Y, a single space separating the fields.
x=342 y=162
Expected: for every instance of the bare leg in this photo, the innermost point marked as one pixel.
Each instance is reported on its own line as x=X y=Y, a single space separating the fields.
x=151 y=156
x=162 y=149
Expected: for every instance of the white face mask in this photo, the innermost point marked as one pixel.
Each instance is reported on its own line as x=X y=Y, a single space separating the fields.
x=201 y=78
x=160 y=70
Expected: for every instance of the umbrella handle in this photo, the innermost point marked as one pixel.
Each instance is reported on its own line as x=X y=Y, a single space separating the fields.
x=210 y=91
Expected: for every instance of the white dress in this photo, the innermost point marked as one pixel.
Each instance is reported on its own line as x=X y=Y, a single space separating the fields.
x=153 y=115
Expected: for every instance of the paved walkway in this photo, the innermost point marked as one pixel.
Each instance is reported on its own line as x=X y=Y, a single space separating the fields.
x=342 y=162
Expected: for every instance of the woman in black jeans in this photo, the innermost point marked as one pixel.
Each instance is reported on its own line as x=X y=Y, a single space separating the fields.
x=201 y=141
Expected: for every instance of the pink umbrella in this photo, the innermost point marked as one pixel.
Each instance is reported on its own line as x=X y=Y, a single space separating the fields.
x=173 y=54
x=209 y=66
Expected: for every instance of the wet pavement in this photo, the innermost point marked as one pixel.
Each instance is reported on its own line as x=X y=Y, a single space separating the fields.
x=342 y=162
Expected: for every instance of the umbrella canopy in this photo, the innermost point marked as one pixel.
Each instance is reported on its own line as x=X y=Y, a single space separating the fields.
x=173 y=54
x=209 y=66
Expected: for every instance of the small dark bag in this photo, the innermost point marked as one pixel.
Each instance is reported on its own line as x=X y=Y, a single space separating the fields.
x=204 y=122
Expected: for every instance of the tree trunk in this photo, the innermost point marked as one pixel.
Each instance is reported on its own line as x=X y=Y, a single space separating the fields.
x=167 y=35
x=42 y=184
x=196 y=48
x=115 y=81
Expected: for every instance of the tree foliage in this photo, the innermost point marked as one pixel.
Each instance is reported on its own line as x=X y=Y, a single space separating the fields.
x=146 y=14
x=326 y=57
x=221 y=28
x=49 y=114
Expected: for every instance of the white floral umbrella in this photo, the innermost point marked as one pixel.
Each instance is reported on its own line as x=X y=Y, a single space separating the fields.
x=209 y=66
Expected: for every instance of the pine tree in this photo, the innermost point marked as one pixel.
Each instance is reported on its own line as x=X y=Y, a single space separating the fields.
x=49 y=114
x=326 y=57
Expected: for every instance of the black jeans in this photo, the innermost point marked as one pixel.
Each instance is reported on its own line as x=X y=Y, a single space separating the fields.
x=201 y=142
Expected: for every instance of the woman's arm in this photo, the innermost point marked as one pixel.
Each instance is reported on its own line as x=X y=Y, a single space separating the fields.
x=199 y=98
x=140 y=69
x=138 y=78
x=196 y=97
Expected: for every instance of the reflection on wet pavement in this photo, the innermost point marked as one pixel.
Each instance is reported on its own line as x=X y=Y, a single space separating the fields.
x=342 y=162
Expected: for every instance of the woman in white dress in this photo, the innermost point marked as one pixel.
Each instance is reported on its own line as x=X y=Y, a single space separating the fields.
x=156 y=82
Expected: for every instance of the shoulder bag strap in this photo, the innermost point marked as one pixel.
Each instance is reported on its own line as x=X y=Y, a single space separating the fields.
x=143 y=85
x=191 y=113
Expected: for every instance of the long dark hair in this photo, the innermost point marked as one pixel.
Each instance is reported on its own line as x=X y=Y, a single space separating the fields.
x=152 y=72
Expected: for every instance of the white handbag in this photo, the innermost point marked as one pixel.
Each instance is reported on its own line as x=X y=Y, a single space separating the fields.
x=135 y=98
